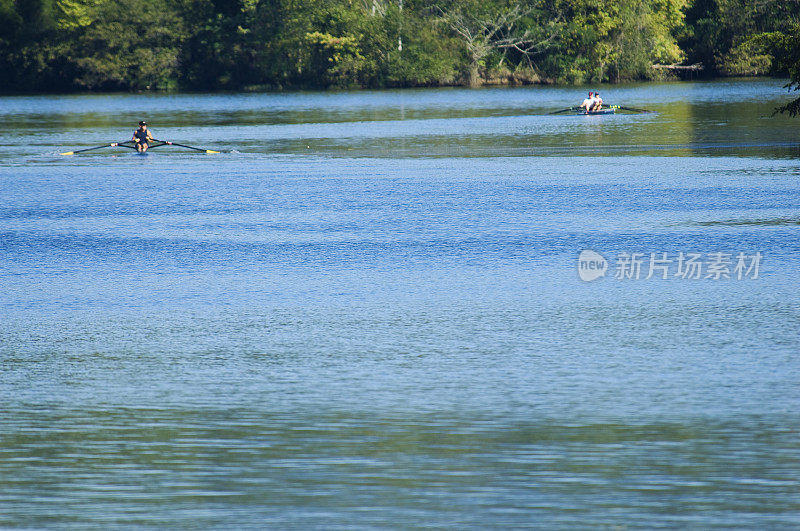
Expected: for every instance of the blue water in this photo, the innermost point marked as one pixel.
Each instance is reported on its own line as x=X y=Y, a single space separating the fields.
x=367 y=312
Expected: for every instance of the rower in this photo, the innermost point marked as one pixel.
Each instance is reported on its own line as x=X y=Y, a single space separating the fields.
x=142 y=137
x=587 y=103
x=597 y=103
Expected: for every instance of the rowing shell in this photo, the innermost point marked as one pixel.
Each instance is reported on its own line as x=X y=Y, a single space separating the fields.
x=602 y=111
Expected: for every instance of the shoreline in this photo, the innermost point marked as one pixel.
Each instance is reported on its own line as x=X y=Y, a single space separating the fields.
x=264 y=89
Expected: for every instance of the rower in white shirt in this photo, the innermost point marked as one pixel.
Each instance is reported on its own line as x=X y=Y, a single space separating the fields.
x=597 y=103
x=588 y=102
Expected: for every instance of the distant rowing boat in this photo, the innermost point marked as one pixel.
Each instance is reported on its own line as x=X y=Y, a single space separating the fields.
x=612 y=109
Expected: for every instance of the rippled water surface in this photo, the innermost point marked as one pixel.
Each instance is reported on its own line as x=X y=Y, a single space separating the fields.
x=367 y=311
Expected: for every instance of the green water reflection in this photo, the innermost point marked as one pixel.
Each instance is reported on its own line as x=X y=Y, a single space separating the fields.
x=143 y=467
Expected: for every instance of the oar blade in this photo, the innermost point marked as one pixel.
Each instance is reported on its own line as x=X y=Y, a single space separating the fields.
x=67 y=153
x=211 y=151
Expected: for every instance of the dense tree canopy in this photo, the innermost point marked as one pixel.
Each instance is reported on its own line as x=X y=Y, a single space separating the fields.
x=260 y=44
x=785 y=49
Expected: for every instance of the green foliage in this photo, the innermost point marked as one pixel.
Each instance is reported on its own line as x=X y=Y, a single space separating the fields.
x=222 y=46
x=427 y=58
x=608 y=40
x=339 y=59
x=256 y=44
x=785 y=49
x=747 y=58
x=351 y=48
x=127 y=48
x=77 y=14
x=26 y=55
x=717 y=32
x=11 y=23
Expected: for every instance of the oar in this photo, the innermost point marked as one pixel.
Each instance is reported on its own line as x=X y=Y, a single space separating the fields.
x=185 y=146
x=565 y=110
x=113 y=144
x=632 y=109
x=157 y=145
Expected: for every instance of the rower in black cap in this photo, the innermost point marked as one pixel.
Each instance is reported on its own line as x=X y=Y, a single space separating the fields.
x=142 y=137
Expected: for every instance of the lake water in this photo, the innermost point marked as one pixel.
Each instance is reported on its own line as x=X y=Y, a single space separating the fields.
x=367 y=311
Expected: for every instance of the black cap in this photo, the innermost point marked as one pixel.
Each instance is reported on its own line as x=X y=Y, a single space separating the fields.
x=142 y=123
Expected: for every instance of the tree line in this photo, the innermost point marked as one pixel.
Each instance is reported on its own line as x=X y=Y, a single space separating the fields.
x=63 y=45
